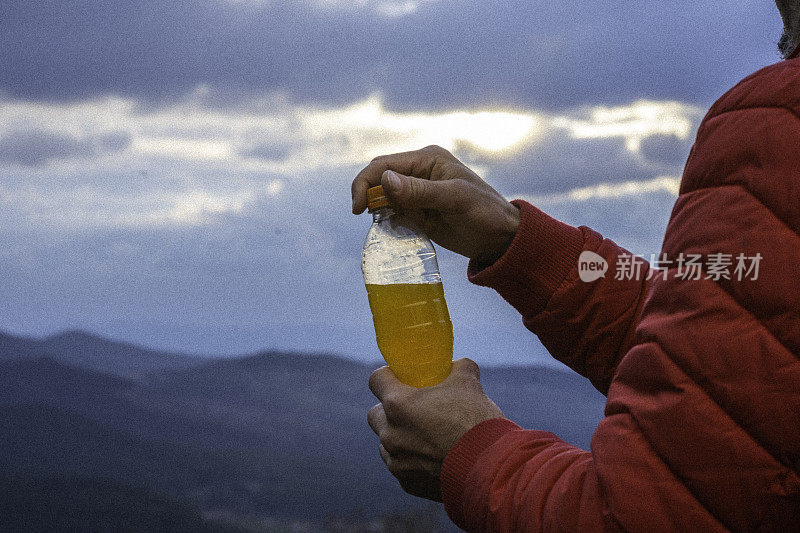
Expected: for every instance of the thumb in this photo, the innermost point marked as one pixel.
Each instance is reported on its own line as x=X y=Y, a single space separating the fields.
x=415 y=193
x=466 y=367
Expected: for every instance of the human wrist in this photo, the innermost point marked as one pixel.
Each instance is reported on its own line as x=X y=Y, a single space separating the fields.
x=503 y=236
x=539 y=259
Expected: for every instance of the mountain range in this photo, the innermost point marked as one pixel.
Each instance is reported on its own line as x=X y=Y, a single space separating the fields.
x=248 y=444
x=84 y=350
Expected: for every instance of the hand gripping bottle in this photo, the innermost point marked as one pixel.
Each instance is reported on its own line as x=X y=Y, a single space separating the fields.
x=412 y=324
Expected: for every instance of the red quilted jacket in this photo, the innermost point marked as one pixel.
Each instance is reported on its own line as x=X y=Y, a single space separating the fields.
x=702 y=423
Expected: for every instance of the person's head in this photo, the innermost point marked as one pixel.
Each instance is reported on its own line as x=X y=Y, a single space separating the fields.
x=790 y=12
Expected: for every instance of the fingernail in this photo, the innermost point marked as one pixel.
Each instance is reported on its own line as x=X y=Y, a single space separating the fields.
x=393 y=180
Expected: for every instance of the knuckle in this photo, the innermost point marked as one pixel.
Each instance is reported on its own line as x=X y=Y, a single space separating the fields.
x=434 y=149
x=390 y=442
x=393 y=406
x=468 y=366
x=397 y=467
x=373 y=414
x=390 y=405
x=375 y=378
x=437 y=151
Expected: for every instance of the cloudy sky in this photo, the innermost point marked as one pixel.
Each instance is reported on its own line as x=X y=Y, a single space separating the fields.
x=176 y=173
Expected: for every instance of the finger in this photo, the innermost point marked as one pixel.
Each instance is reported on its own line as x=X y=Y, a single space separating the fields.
x=384 y=455
x=376 y=418
x=383 y=383
x=466 y=367
x=415 y=163
x=409 y=192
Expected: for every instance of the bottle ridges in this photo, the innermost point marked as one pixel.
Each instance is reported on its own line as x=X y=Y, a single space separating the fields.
x=413 y=330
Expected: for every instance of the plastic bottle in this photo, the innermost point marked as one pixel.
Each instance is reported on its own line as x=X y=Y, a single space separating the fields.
x=406 y=296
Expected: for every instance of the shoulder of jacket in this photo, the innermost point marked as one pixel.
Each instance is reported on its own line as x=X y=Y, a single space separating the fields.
x=775 y=86
x=749 y=139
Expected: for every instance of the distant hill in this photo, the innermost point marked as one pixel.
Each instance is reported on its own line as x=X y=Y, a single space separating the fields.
x=44 y=440
x=254 y=439
x=85 y=350
x=82 y=503
x=273 y=435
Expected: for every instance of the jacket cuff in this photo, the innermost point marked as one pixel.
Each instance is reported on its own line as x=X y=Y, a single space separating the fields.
x=540 y=257
x=462 y=457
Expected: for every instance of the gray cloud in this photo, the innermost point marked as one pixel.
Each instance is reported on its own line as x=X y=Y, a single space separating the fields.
x=560 y=163
x=268 y=152
x=447 y=54
x=666 y=150
x=33 y=147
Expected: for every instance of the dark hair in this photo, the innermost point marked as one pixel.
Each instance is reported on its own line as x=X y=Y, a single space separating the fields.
x=786 y=44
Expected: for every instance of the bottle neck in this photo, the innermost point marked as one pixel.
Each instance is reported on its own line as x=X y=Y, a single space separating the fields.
x=382 y=213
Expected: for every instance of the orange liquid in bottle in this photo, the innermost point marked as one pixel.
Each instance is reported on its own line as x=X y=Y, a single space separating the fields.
x=413 y=329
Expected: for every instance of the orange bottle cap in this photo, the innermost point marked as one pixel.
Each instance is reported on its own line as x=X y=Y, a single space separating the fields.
x=376 y=198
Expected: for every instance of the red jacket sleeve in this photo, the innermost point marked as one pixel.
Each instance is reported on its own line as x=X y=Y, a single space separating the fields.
x=499 y=477
x=534 y=480
x=587 y=326
x=702 y=431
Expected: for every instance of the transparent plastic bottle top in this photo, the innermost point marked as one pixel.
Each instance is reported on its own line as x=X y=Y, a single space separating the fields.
x=412 y=323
